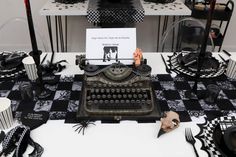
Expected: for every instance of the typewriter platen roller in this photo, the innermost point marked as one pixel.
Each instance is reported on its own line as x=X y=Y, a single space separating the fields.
x=118 y=92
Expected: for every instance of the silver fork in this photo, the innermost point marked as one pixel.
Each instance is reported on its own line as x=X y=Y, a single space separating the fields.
x=190 y=139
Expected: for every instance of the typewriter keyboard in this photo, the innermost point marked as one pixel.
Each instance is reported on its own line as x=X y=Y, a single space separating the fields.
x=136 y=98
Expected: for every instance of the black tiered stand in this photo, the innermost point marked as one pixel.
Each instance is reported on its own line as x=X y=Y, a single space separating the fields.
x=35 y=53
x=200 y=61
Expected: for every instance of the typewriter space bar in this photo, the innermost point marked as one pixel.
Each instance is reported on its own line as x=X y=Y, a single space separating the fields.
x=119 y=106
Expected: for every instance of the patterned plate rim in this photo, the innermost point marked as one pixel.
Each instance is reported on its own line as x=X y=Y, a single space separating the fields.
x=208 y=143
x=17 y=71
x=174 y=66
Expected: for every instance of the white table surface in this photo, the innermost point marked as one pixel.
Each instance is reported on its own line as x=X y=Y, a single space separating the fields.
x=176 y=8
x=127 y=139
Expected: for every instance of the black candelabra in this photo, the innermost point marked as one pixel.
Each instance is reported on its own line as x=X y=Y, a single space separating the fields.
x=201 y=56
x=35 y=53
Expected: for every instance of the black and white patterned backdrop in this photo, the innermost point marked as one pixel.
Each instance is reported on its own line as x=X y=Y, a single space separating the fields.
x=64 y=100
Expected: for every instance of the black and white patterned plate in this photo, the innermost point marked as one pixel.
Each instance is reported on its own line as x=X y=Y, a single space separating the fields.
x=13 y=72
x=206 y=135
x=175 y=65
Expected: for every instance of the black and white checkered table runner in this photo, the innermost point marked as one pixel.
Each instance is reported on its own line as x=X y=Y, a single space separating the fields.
x=64 y=101
x=123 y=14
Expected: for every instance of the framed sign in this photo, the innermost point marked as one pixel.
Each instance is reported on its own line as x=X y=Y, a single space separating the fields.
x=105 y=46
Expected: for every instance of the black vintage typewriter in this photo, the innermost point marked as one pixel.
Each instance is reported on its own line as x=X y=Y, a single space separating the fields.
x=118 y=92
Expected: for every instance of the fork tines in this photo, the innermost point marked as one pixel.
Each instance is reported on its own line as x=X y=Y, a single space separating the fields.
x=189 y=135
x=189 y=138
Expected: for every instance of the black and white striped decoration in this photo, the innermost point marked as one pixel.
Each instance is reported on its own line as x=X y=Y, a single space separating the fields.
x=30 y=68
x=231 y=69
x=6 y=118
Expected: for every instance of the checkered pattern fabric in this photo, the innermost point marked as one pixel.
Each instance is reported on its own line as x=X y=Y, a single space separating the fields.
x=64 y=100
x=123 y=14
x=64 y=96
x=171 y=96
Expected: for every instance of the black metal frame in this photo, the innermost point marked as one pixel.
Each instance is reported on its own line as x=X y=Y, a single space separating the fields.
x=60 y=33
x=221 y=16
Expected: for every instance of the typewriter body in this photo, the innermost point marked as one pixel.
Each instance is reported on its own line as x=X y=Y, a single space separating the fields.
x=118 y=92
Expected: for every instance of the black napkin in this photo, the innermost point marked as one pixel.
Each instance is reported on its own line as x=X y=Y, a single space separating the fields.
x=34 y=119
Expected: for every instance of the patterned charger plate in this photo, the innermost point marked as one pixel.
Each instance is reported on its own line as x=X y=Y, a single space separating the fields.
x=14 y=71
x=207 y=133
x=175 y=65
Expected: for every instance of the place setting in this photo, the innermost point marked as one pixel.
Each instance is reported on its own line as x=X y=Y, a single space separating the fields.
x=218 y=136
x=218 y=132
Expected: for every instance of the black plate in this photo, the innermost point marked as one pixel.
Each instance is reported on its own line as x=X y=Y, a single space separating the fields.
x=218 y=139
